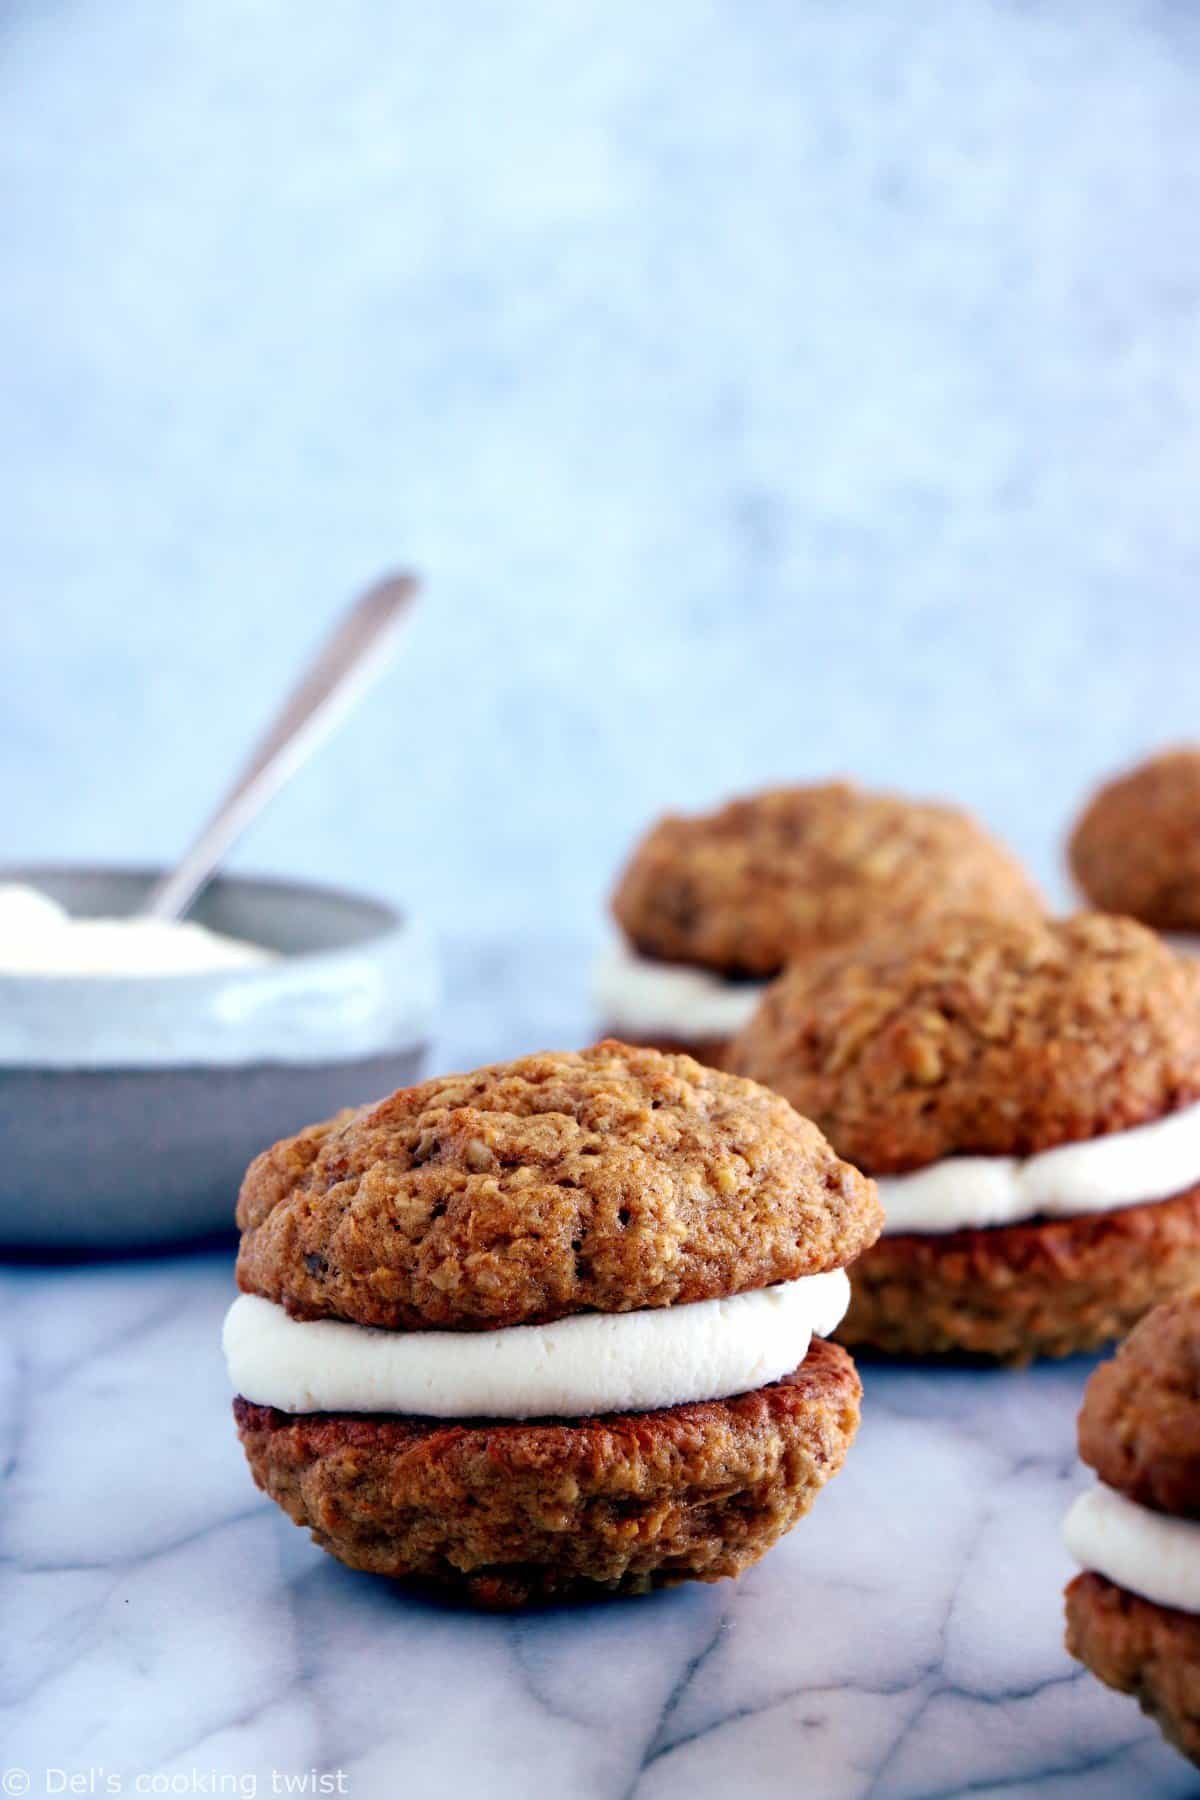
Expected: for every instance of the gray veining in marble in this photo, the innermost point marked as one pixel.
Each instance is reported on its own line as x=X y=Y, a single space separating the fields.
x=904 y=1641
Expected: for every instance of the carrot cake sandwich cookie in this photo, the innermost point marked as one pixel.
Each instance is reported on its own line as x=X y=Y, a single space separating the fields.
x=1136 y=847
x=553 y=1328
x=1028 y=1098
x=711 y=908
x=1133 y=1615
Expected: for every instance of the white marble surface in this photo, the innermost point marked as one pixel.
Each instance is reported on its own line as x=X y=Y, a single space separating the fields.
x=163 y=1620
x=161 y=1617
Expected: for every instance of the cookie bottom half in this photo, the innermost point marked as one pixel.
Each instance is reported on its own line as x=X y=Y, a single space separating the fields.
x=1140 y=1648
x=512 y=1514
x=1010 y=1293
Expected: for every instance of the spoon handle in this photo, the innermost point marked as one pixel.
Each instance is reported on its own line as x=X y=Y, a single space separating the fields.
x=333 y=681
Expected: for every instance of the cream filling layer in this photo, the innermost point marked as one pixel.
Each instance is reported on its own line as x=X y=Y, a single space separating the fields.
x=1149 y=1553
x=1125 y=1168
x=645 y=998
x=589 y=1363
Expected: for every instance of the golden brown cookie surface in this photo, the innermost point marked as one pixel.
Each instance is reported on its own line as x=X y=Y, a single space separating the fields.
x=509 y=1514
x=1140 y=1648
x=981 y=1036
x=775 y=875
x=1136 y=847
x=609 y=1179
x=1140 y=1424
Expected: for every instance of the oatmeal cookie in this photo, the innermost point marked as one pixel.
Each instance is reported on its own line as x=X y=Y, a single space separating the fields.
x=1140 y=1648
x=607 y=1180
x=745 y=890
x=1140 y=1424
x=981 y=1036
x=1136 y=847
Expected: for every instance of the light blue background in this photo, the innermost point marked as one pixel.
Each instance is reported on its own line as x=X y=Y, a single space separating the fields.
x=766 y=390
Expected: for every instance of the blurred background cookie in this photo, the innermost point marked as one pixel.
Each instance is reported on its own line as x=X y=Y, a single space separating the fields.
x=712 y=906
x=1136 y=847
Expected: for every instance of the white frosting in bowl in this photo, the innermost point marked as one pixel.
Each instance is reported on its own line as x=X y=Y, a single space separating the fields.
x=645 y=998
x=1124 y=1168
x=39 y=937
x=576 y=1367
x=1147 y=1552
x=308 y=976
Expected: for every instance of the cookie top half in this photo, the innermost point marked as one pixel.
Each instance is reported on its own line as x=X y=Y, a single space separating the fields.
x=1136 y=847
x=981 y=1037
x=767 y=878
x=606 y=1180
x=1140 y=1424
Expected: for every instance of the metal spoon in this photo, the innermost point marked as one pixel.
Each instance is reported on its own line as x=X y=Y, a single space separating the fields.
x=353 y=652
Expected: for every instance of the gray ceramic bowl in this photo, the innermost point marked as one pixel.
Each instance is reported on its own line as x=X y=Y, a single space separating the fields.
x=130 y=1105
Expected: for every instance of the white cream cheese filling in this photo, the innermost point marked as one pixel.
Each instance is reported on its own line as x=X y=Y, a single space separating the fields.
x=645 y=998
x=1125 y=1168
x=589 y=1363
x=37 y=937
x=1184 y=943
x=1147 y=1552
